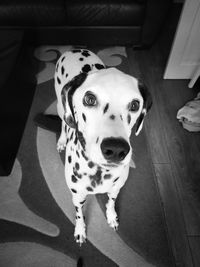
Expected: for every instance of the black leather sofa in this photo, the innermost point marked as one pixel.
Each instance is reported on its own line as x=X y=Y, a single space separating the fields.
x=134 y=22
x=34 y=22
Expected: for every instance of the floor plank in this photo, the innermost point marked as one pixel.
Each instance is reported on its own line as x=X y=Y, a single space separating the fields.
x=195 y=246
x=174 y=217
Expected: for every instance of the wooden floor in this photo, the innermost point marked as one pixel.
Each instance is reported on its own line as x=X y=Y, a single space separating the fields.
x=175 y=152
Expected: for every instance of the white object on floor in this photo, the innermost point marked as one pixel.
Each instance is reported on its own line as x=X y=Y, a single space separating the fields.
x=189 y=115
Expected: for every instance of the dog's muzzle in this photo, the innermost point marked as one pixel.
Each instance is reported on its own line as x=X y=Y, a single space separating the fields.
x=114 y=150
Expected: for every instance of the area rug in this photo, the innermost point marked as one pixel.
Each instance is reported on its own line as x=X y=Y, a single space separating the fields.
x=36 y=210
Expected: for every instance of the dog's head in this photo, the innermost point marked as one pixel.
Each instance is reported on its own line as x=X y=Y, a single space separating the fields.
x=103 y=107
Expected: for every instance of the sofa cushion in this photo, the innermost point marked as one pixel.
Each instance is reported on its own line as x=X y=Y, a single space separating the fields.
x=105 y=13
x=32 y=13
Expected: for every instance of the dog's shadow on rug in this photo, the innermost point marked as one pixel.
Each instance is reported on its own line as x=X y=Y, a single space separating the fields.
x=48 y=122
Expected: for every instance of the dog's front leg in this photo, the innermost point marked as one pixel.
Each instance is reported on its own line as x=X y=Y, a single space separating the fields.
x=63 y=138
x=80 y=229
x=111 y=214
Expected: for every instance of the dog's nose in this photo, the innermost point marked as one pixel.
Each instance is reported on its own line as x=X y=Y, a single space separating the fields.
x=114 y=149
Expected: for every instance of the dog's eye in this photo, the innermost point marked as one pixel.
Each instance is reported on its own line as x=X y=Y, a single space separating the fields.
x=89 y=99
x=134 y=105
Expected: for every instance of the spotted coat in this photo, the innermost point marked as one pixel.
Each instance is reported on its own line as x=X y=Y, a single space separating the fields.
x=83 y=175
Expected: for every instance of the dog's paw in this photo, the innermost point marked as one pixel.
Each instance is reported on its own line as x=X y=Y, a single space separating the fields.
x=80 y=239
x=113 y=223
x=80 y=234
x=113 y=220
x=61 y=145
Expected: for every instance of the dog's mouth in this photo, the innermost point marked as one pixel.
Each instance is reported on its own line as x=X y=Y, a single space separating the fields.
x=111 y=165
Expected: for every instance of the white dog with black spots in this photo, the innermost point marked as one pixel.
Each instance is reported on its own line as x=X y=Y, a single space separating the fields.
x=98 y=107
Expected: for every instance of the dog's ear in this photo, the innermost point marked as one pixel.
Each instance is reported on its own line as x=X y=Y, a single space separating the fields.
x=67 y=98
x=146 y=105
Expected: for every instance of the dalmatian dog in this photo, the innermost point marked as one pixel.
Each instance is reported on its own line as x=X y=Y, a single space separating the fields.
x=98 y=107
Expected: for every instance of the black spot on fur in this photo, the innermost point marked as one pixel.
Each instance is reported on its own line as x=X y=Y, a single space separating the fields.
x=83 y=154
x=90 y=164
x=116 y=179
x=89 y=189
x=99 y=66
x=58 y=80
x=113 y=198
x=76 y=208
x=62 y=58
x=93 y=183
x=76 y=140
x=82 y=202
x=66 y=75
x=106 y=108
x=73 y=190
x=69 y=159
x=76 y=51
x=86 y=68
x=112 y=117
x=62 y=70
x=97 y=140
x=81 y=58
x=97 y=176
x=71 y=135
x=77 y=166
x=81 y=139
x=107 y=176
x=74 y=179
x=76 y=173
x=129 y=118
x=77 y=154
x=85 y=53
x=84 y=117
x=121 y=117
